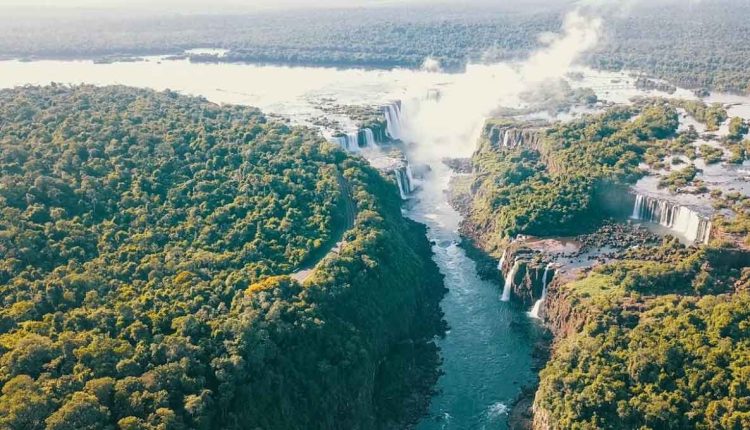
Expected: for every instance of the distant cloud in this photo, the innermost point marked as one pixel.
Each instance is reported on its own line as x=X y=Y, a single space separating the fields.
x=204 y=5
x=626 y=6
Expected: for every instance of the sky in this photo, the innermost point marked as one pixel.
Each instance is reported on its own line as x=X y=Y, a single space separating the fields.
x=200 y=4
x=239 y=5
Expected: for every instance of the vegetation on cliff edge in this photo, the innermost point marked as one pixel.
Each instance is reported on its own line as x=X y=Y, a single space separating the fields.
x=144 y=243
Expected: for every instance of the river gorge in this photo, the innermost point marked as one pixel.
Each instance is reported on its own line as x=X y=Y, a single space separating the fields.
x=488 y=350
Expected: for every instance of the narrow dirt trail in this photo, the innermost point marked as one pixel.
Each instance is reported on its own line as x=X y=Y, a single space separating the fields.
x=307 y=269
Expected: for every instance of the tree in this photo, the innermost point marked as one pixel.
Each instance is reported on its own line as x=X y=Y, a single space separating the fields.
x=81 y=412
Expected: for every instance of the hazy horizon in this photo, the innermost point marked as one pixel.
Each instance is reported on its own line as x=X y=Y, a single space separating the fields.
x=226 y=6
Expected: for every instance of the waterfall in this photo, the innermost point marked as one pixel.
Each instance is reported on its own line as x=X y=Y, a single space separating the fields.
x=404 y=182
x=410 y=175
x=350 y=141
x=680 y=219
x=638 y=207
x=502 y=260
x=393 y=119
x=512 y=137
x=353 y=141
x=538 y=304
x=509 y=282
x=369 y=138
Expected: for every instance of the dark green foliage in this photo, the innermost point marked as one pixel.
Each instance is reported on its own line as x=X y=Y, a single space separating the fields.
x=681 y=364
x=712 y=115
x=649 y=359
x=691 y=45
x=364 y=37
x=738 y=128
x=110 y=174
x=711 y=154
x=144 y=239
x=679 y=178
x=554 y=188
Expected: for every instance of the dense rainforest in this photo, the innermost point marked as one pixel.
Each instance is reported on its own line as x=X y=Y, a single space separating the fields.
x=655 y=337
x=567 y=178
x=562 y=182
x=697 y=45
x=145 y=245
x=665 y=345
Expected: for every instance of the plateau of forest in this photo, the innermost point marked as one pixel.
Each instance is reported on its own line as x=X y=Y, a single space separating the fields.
x=146 y=241
x=651 y=336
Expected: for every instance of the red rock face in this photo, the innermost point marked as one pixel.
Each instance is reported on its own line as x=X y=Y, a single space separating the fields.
x=559 y=312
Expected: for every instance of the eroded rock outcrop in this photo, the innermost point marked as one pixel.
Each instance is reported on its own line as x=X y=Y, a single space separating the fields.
x=522 y=275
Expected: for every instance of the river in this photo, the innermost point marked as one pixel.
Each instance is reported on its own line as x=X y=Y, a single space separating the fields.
x=487 y=352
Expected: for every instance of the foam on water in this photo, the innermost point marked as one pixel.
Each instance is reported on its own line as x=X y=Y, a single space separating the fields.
x=497 y=410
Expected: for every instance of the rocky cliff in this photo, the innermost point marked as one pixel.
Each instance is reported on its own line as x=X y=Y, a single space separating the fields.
x=501 y=134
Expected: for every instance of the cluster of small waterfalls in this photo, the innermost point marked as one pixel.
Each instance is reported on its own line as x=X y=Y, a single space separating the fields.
x=510 y=280
x=512 y=137
x=680 y=219
x=366 y=138
x=404 y=176
x=354 y=141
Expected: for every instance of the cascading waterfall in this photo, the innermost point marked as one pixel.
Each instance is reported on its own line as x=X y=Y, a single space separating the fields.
x=545 y=282
x=638 y=207
x=341 y=141
x=506 y=138
x=350 y=141
x=392 y=114
x=680 y=219
x=404 y=181
x=369 y=138
x=509 y=282
x=502 y=260
x=354 y=141
x=410 y=175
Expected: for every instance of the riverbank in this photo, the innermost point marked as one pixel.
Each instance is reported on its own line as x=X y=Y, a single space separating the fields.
x=604 y=268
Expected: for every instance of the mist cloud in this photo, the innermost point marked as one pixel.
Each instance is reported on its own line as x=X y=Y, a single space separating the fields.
x=431 y=65
x=450 y=126
x=626 y=7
